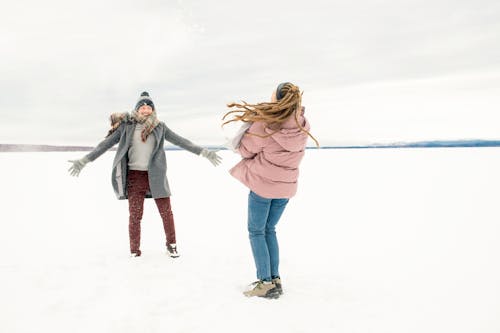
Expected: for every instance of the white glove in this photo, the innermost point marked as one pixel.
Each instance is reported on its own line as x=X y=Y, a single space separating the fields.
x=212 y=156
x=77 y=166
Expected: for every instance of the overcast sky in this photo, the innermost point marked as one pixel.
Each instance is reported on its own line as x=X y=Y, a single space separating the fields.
x=371 y=71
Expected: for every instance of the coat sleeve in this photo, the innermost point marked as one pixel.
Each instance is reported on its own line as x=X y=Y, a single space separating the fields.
x=184 y=143
x=106 y=144
x=251 y=145
x=233 y=143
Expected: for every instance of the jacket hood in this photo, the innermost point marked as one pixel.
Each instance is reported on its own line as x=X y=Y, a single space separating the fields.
x=290 y=136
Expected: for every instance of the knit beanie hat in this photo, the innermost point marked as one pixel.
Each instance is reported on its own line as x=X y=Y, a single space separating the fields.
x=144 y=99
x=278 y=90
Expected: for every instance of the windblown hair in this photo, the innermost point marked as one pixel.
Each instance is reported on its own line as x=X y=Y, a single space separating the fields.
x=116 y=120
x=271 y=113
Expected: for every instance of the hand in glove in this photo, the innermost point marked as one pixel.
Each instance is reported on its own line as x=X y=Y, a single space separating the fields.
x=212 y=156
x=77 y=166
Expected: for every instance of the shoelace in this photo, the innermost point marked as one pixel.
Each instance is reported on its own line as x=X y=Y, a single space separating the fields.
x=257 y=284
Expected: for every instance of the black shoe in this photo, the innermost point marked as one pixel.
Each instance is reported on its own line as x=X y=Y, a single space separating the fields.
x=172 y=250
x=135 y=254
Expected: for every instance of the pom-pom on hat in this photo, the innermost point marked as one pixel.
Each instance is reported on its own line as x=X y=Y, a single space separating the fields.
x=144 y=99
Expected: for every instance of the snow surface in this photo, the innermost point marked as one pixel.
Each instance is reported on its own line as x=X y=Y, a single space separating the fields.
x=393 y=240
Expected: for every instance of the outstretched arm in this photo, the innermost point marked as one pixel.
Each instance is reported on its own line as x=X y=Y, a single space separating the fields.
x=178 y=140
x=184 y=143
x=110 y=141
x=105 y=144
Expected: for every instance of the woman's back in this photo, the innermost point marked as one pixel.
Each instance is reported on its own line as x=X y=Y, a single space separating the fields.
x=271 y=157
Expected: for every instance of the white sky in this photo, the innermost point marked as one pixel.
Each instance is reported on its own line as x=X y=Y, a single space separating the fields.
x=382 y=70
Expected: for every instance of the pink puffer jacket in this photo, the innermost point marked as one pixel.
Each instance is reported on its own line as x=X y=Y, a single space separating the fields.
x=270 y=166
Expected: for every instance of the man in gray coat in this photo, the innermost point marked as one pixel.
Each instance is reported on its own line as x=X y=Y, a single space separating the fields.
x=139 y=167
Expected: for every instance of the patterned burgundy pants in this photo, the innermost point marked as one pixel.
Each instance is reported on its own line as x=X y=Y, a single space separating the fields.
x=138 y=186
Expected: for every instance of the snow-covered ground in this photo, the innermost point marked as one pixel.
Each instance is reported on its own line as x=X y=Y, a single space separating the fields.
x=396 y=240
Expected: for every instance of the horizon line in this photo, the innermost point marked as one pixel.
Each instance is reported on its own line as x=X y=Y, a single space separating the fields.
x=464 y=143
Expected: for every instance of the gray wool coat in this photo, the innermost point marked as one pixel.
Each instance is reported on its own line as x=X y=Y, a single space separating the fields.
x=157 y=169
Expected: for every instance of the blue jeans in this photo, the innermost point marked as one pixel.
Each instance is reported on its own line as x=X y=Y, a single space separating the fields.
x=263 y=215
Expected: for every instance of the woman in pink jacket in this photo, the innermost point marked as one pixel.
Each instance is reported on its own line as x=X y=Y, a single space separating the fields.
x=272 y=149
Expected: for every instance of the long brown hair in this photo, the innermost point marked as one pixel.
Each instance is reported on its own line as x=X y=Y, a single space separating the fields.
x=289 y=102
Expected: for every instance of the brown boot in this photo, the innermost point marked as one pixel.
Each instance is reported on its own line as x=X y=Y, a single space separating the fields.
x=263 y=289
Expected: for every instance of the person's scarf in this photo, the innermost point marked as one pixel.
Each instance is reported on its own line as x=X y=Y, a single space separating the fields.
x=149 y=122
